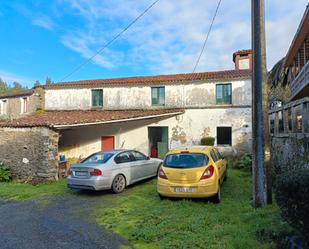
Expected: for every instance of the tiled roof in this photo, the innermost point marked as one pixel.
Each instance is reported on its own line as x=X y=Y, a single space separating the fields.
x=63 y=118
x=17 y=93
x=242 y=52
x=159 y=79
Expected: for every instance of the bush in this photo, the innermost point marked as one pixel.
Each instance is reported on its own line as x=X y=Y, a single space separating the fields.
x=210 y=141
x=245 y=162
x=292 y=192
x=5 y=173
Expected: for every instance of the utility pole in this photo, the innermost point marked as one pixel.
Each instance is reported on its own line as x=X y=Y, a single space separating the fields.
x=259 y=78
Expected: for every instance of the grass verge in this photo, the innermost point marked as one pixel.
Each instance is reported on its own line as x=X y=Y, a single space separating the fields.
x=26 y=191
x=140 y=216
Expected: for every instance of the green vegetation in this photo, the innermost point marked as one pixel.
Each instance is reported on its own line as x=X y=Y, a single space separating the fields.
x=292 y=191
x=25 y=191
x=209 y=141
x=139 y=215
x=5 y=173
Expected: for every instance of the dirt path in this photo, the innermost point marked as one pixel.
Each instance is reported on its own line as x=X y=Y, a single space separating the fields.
x=61 y=223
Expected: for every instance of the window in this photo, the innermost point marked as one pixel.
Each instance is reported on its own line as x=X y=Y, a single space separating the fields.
x=97 y=97
x=158 y=96
x=224 y=94
x=224 y=135
x=3 y=107
x=98 y=158
x=185 y=160
x=124 y=157
x=139 y=156
x=214 y=156
x=24 y=105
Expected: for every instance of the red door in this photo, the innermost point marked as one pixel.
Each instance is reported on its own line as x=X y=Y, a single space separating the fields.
x=107 y=143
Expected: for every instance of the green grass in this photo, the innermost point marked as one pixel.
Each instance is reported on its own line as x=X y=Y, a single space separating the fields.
x=26 y=191
x=140 y=216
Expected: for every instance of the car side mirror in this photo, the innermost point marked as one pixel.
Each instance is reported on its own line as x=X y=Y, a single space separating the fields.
x=147 y=158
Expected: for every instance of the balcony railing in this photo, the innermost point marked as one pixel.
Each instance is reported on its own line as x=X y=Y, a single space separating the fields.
x=291 y=118
x=300 y=81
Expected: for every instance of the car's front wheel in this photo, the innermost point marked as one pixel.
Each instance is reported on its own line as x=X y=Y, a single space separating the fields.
x=119 y=184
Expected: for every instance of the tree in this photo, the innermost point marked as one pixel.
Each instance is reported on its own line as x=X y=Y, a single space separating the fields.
x=3 y=86
x=37 y=83
x=17 y=86
x=48 y=81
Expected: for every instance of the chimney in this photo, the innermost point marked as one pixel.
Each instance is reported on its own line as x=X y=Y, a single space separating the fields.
x=243 y=59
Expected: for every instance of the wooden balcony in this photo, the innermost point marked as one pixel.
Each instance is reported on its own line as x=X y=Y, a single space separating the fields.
x=300 y=85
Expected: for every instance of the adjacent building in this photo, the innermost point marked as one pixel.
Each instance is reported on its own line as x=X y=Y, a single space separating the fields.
x=152 y=114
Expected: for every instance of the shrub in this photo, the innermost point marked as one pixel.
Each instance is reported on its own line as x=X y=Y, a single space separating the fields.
x=210 y=141
x=292 y=191
x=245 y=162
x=5 y=173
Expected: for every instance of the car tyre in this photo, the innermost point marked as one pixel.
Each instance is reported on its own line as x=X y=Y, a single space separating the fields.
x=217 y=197
x=119 y=184
x=226 y=175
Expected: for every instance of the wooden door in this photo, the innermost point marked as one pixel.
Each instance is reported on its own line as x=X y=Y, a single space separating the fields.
x=107 y=143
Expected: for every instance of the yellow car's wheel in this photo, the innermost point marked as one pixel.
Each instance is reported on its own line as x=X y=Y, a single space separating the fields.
x=217 y=197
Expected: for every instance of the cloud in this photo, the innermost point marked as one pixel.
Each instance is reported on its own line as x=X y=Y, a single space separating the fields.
x=44 y=22
x=169 y=37
x=10 y=77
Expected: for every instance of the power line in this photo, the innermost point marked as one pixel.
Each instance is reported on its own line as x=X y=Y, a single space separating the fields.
x=207 y=36
x=111 y=41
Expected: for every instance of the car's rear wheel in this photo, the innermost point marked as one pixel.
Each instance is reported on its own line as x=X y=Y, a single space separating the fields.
x=119 y=184
x=217 y=197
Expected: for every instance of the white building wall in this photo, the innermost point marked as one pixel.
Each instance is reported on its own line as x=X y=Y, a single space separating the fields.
x=189 y=94
x=184 y=130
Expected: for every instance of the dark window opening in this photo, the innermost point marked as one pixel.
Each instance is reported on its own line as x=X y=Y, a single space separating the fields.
x=224 y=135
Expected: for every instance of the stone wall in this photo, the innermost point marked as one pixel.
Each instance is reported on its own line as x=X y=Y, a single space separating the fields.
x=290 y=151
x=31 y=153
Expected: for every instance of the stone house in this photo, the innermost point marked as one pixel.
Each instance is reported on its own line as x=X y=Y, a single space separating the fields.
x=152 y=114
x=289 y=123
x=19 y=103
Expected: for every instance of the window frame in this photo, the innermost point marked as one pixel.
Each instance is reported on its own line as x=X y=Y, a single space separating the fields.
x=4 y=107
x=222 y=98
x=158 y=95
x=92 y=91
x=24 y=105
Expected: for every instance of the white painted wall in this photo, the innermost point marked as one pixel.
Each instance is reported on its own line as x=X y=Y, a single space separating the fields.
x=197 y=94
x=81 y=142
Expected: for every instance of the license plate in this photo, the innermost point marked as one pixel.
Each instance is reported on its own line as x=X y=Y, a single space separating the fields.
x=81 y=173
x=184 y=189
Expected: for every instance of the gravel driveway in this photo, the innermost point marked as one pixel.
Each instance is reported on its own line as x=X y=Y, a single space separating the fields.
x=61 y=223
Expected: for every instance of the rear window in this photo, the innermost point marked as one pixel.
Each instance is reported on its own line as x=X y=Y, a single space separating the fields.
x=185 y=160
x=98 y=158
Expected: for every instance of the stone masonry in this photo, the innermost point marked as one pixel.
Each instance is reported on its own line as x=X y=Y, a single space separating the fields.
x=30 y=153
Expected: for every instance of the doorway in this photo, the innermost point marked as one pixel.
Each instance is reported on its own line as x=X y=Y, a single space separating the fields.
x=107 y=142
x=158 y=141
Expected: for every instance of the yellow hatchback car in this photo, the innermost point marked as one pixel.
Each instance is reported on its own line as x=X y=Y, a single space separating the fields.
x=193 y=173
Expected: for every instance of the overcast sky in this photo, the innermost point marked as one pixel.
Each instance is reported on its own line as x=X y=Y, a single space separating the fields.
x=42 y=38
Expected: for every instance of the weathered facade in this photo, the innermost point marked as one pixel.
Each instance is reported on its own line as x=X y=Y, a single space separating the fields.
x=151 y=114
x=31 y=153
x=19 y=103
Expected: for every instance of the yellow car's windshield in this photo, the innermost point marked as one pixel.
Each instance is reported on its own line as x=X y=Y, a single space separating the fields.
x=185 y=160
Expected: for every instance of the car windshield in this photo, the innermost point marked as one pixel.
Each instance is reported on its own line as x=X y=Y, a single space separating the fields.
x=185 y=160
x=101 y=157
